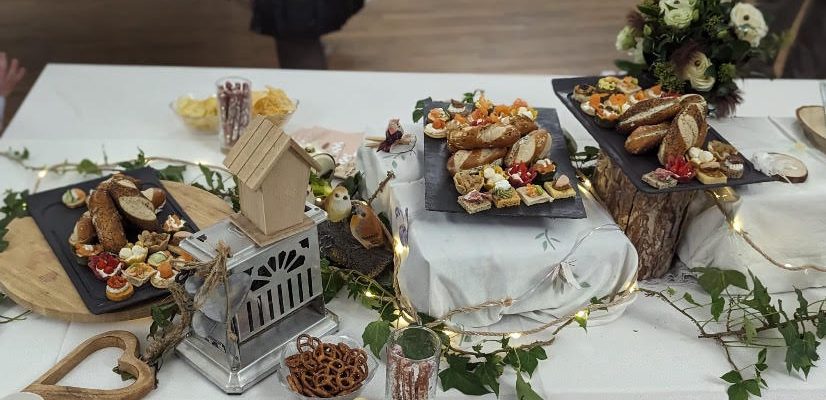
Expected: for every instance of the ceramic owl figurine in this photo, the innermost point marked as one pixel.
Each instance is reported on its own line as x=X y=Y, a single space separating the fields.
x=367 y=228
x=338 y=204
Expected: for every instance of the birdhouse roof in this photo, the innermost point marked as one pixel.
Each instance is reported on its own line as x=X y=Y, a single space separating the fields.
x=258 y=150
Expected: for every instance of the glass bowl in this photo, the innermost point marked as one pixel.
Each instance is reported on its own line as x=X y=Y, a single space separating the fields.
x=283 y=371
x=207 y=123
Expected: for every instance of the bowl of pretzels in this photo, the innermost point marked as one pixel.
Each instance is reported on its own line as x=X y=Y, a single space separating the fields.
x=331 y=367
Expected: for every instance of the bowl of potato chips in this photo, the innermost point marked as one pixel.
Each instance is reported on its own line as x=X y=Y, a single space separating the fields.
x=201 y=114
x=274 y=104
x=198 y=114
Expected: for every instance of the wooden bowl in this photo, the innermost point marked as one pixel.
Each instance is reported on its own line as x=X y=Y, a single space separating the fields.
x=813 y=121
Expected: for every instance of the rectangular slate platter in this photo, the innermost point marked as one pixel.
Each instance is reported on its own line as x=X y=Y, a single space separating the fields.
x=441 y=194
x=635 y=166
x=56 y=222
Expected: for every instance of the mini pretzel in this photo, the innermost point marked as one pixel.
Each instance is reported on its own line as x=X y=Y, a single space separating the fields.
x=325 y=370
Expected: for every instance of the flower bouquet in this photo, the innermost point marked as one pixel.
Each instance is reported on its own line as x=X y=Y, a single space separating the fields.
x=697 y=46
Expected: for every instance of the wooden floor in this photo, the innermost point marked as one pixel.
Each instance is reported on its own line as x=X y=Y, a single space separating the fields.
x=515 y=36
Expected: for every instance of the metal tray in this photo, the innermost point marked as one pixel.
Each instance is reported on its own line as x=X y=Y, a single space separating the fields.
x=635 y=166
x=441 y=194
x=56 y=222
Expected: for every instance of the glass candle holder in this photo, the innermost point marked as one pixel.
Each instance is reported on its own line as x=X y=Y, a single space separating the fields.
x=413 y=355
x=234 y=109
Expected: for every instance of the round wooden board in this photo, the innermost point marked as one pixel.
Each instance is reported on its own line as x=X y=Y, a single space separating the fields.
x=31 y=275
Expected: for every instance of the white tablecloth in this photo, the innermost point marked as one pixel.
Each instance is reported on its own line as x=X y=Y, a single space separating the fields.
x=445 y=254
x=72 y=111
x=787 y=221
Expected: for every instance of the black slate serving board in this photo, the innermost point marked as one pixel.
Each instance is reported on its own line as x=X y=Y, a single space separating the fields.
x=635 y=166
x=441 y=194
x=56 y=222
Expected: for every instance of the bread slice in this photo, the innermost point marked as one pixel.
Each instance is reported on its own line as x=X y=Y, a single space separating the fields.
x=523 y=124
x=134 y=205
x=510 y=201
x=711 y=177
x=648 y=112
x=473 y=207
x=559 y=194
x=687 y=129
x=531 y=200
x=530 y=148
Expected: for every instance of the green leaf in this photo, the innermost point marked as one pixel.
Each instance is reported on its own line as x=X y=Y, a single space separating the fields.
x=489 y=372
x=688 y=298
x=821 y=324
x=138 y=162
x=752 y=386
x=524 y=391
x=670 y=291
x=732 y=376
x=458 y=376
x=803 y=304
x=761 y=356
x=87 y=167
x=801 y=349
x=375 y=335
x=751 y=331
x=417 y=115
x=353 y=183
x=737 y=391
x=717 y=304
x=714 y=280
x=173 y=173
x=332 y=283
x=523 y=360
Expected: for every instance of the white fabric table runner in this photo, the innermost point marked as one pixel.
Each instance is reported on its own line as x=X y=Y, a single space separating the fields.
x=648 y=353
x=787 y=221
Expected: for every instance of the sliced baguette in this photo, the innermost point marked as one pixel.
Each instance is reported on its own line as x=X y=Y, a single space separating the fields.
x=487 y=137
x=106 y=221
x=135 y=207
x=468 y=159
x=523 y=124
x=648 y=112
x=646 y=138
x=530 y=148
x=687 y=129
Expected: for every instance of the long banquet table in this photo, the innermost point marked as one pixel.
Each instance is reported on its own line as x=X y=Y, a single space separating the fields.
x=76 y=111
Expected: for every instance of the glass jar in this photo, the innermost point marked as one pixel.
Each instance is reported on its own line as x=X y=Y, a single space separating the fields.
x=234 y=108
x=412 y=355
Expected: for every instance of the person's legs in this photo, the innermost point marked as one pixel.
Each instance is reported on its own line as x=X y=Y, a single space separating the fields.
x=301 y=53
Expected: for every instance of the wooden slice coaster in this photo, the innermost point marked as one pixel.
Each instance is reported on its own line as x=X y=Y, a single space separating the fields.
x=31 y=275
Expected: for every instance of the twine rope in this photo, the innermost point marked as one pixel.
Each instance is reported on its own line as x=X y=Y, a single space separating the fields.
x=214 y=273
x=729 y=217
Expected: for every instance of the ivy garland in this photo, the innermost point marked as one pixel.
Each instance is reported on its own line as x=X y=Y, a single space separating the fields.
x=740 y=306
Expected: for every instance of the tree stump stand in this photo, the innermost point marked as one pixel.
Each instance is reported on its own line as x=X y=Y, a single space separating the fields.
x=652 y=222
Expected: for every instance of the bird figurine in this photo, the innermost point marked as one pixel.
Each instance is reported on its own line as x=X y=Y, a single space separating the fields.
x=366 y=227
x=338 y=204
x=393 y=133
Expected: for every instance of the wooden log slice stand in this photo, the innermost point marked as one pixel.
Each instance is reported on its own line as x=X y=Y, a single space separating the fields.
x=652 y=222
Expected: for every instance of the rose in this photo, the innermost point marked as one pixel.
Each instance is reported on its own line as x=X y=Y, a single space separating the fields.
x=625 y=38
x=748 y=23
x=666 y=5
x=679 y=17
x=695 y=72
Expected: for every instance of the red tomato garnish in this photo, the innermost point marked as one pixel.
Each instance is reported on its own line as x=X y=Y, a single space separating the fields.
x=116 y=282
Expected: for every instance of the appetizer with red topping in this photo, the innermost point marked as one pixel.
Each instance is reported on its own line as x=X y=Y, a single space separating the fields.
x=105 y=265
x=118 y=289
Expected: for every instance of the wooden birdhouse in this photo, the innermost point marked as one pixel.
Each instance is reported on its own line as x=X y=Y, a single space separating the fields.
x=273 y=172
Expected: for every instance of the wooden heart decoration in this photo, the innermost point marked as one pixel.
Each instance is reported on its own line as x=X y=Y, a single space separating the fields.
x=46 y=387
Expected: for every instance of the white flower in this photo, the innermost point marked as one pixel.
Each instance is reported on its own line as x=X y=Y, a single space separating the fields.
x=748 y=23
x=637 y=52
x=695 y=72
x=679 y=17
x=625 y=38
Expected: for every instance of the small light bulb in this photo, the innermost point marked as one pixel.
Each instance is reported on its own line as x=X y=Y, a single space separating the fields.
x=581 y=314
x=42 y=173
x=369 y=294
x=788 y=265
x=515 y=335
x=737 y=225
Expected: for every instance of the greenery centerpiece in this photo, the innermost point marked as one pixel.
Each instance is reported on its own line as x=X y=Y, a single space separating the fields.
x=697 y=46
